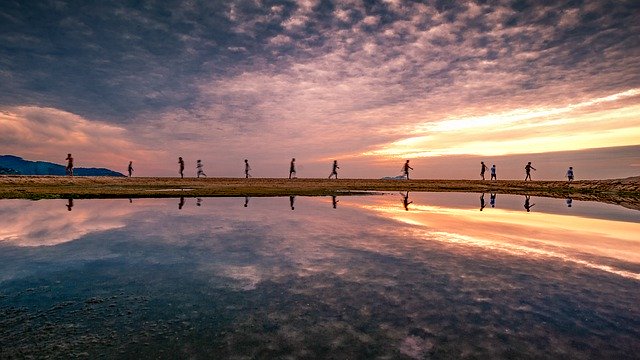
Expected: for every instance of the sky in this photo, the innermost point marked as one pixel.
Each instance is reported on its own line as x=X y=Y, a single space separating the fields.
x=369 y=83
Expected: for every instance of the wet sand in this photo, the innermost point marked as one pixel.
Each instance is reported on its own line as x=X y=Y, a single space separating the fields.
x=625 y=192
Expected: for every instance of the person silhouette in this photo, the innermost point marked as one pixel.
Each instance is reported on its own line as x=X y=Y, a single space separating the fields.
x=181 y=163
x=483 y=168
x=69 y=204
x=246 y=201
x=334 y=170
x=199 y=166
x=405 y=200
x=570 y=174
x=526 y=203
x=406 y=168
x=247 y=168
x=493 y=172
x=292 y=168
x=492 y=200
x=527 y=169
x=482 y=204
x=130 y=168
x=69 y=168
x=334 y=201
x=569 y=202
x=181 y=203
x=292 y=200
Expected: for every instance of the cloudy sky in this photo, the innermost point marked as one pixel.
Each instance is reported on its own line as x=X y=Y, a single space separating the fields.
x=369 y=83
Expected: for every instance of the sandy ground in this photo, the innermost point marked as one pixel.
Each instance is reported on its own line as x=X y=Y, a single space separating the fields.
x=620 y=191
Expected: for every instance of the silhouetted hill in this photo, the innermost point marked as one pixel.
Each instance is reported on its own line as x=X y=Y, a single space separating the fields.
x=26 y=167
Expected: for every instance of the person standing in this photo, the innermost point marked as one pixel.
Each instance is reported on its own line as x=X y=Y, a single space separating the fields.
x=247 y=168
x=69 y=168
x=483 y=168
x=130 y=168
x=406 y=169
x=570 y=174
x=493 y=172
x=527 y=170
x=334 y=171
x=292 y=168
x=181 y=163
x=199 y=168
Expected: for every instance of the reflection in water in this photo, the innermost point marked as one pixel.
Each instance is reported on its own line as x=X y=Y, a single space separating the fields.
x=482 y=204
x=292 y=200
x=405 y=201
x=69 y=204
x=492 y=200
x=527 y=205
x=198 y=201
x=569 y=202
x=334 y=201
x=246 y=200
x=181 y=203
x=145 y=280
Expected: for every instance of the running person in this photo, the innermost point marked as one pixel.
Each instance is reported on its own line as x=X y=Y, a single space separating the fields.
x=334 y=170
x=292 y=168
x=247 y=168
x=570 y=174
x=483 y=168
x=406 y=169
x=69 y=168
x=199 y=167
x=181 y=163
x=527 y=169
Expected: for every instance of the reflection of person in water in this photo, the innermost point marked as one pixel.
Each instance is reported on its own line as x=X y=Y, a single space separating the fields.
x=130 y=201
x=198 y=202
x=334 y=201
x=492 y=200
x=69 y=204
x=181 y=203
x=292 y=200
x=569 y=202
x=246 y=201
x=526 y=203
x=405 y=201
x=482 y=204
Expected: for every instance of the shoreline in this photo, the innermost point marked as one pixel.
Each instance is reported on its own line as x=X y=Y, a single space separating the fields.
x=625 y=192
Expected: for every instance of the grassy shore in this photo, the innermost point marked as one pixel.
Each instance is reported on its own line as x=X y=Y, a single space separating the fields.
x=620 y=191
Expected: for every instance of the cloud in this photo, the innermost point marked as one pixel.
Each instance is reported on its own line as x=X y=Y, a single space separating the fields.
x=49 y=134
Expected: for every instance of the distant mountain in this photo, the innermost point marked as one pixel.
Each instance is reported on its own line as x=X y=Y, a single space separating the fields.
x=14 y=165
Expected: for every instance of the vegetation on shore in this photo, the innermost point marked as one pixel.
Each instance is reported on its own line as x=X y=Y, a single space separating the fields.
x=620 y=191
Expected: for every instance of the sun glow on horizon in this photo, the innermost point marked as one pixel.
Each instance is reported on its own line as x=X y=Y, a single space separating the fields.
x=521 y=131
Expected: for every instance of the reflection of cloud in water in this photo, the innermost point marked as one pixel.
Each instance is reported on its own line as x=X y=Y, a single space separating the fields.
x=587 y=242
x=48 y=222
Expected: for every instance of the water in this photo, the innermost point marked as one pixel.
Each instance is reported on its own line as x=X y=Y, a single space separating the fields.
x=364 y=277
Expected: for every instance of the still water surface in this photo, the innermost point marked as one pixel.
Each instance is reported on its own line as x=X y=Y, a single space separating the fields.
x=431 y=275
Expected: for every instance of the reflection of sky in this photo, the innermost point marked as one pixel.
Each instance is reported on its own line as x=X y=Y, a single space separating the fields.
x=365 y=273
